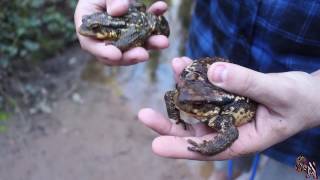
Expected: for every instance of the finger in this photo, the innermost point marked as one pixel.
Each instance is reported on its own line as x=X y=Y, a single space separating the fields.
x=158 y=8
x=158 y=42
x=99 y=49
x=178 y=64
x=264 y=88
x=174 y=147
x=117 y=7
x=135 y=55
x=85 y=8
x=161 y=125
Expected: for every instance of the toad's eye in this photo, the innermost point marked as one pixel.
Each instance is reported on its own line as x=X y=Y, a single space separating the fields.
x=94 y=26
x=192 y=76
x=197 y=103
x=182 y=102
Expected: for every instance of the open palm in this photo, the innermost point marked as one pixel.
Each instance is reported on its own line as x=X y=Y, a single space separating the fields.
x=279 y=115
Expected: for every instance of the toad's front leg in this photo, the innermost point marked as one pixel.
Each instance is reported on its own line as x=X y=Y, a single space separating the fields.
x=227 y=134
x=173 y=112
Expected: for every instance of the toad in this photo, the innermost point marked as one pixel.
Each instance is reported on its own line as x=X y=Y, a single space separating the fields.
x=127 y=31
x=220 y=110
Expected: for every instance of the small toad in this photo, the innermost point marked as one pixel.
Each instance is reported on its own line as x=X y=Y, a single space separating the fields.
x=127 y=31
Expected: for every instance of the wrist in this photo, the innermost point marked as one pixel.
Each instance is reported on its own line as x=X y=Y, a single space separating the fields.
x=316 y=77
x=316 y=73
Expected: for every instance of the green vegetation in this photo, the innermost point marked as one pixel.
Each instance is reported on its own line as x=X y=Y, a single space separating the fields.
x=31 y=30
x=34 y=29
x=3 y=118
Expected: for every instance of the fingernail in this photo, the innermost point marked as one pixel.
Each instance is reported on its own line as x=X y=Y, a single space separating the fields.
x=218 y=73
x=145 y=114
x=186 y=59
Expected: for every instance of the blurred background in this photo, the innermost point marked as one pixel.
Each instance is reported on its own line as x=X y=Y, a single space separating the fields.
x=63 y=115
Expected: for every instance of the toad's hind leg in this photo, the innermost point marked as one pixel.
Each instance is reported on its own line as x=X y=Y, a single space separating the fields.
x=133 y=37
x=227 y=134
x=173 y=112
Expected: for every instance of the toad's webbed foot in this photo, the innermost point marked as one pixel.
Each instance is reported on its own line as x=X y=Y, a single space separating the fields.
x=184 y=125
x=227 y=135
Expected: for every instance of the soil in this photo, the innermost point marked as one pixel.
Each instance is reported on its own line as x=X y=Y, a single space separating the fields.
x=87 y=130
x=77 y=119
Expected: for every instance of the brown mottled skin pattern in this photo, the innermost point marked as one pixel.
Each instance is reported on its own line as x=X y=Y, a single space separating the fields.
x=127 y=31
x=219 y=109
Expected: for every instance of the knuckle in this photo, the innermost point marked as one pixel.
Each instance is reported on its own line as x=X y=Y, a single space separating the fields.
x=248 y=84
x=289 y=91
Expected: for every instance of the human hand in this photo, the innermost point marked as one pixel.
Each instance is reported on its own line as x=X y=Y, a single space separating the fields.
x=289 y=103
x=108 y=54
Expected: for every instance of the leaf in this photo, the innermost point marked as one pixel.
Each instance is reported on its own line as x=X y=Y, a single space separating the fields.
x=11 y=50
x=4 y=62
x=37 y=3
x=30 y=45
x=4 y=116
x=27 y=23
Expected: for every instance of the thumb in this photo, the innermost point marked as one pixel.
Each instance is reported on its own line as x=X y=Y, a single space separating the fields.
x=117 y=7
x=258 y=86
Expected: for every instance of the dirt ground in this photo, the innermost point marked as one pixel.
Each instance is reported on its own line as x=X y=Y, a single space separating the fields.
x=92 y=133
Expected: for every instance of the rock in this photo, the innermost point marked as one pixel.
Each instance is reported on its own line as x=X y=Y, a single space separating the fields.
x=77 y=98
x=72 y=61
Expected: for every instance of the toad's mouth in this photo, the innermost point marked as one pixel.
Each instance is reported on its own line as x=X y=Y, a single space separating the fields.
x=85 y=31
